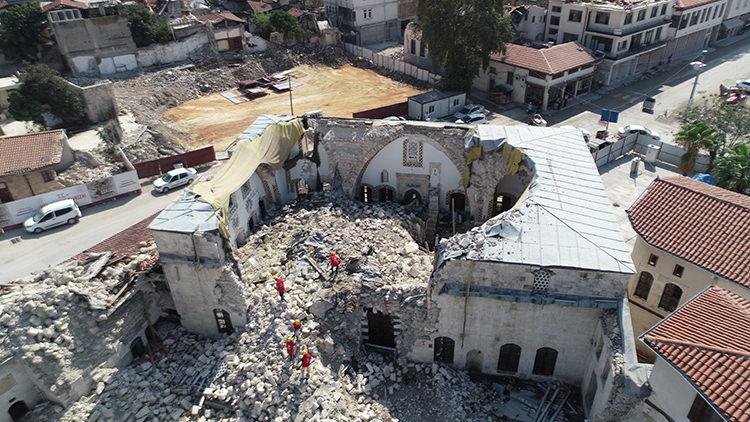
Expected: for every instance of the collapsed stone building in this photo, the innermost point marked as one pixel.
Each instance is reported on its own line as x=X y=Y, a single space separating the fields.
x=526 y=280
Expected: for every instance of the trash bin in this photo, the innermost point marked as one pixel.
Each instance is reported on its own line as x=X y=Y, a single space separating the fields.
x=648 y=105
x=652 y=153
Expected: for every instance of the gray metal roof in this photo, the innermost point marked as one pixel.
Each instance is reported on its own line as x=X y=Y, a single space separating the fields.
x=261 y=123
x=432 y=96
x=186 y=215
x=566 y=220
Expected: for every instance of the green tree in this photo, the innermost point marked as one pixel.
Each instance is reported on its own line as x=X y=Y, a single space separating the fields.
x=262 y=22
x=694 y=136
x=731 y=122
x=732 y=169
x=20 y=29
x=283 y=22
x=43 y=88
x=213 y=3
x=145 y=28
x=461 y=35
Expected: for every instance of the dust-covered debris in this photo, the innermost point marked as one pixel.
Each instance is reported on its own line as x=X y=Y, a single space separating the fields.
x=89 y=166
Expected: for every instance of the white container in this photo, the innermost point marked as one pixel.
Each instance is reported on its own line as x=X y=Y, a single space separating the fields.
x=652 y=153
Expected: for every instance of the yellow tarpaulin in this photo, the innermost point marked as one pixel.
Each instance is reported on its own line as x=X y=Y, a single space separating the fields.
x=271 y=148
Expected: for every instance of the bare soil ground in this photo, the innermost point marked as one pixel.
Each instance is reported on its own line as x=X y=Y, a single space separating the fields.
x=338 y=92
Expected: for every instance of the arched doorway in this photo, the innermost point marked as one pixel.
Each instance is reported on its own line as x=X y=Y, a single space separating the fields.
x=510 y=355
x=444 y=347
x=17 y=410
x=457 y=200
x=503 y=202
x=223 y=321
x=544 y=364
x=411 y=195
x=474 y=361
x=137 y=348
x=385 y=193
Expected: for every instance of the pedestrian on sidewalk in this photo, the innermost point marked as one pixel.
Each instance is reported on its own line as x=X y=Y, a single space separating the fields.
x=280 y=287
x=290 y=347
x=306 y=360
x=334 y=262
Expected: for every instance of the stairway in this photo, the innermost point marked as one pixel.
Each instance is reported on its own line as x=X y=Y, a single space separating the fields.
x=433 y=210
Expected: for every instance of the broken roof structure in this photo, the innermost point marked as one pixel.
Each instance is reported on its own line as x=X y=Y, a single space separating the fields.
x=565 y=221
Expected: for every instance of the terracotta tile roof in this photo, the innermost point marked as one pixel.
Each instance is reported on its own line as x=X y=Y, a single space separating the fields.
x=708 y=341
x=258 y=6
x=220 y=17
x=64 y=4
x=551 y=60
x=3 y=4
x=23 y=153
x=689 y=4
x=703 y=224
x=125 y=243
x=296 y=12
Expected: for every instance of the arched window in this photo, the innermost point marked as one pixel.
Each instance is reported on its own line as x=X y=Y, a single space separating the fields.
x=670 y=297
x=474 y=361
x=223 y=321
x=385 y=193
x=412 y=195
x=365 y=194
x=457 y=200
x=510 y=354
x=544 y=364
x=642 y=289
x=444 y=347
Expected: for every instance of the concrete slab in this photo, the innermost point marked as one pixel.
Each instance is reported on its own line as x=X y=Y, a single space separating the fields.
x=85 y=141
x=14 y=128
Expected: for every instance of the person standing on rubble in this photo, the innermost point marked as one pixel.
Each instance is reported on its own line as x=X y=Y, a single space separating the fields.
x=297 y=326
x=334 y=262
x=280 y=287
x=290 y=347
x=306 y=360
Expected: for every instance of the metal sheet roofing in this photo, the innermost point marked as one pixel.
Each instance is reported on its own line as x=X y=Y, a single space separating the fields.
x=432 y=96
x=261 y=123
x=566 y=220
x=186 y=215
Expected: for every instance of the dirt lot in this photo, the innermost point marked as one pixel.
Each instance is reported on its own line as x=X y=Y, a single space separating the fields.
x=337 y=92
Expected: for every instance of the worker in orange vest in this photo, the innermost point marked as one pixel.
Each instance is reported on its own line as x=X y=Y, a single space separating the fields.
x=334 y=261
x=290 y=347
x=297 y=326
x=306 y=360
x=280 y=287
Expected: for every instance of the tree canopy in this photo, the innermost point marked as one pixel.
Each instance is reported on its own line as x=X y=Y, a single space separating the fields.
x=732 y=169
x=41 y=88
x=730 y=122
x=694 y=136
x=461 y=35
x=145 y=28
x=278 y=21
x=20 y=29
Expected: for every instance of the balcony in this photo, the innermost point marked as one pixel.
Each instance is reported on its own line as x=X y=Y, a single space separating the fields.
x=629 y=29
x=638 y=50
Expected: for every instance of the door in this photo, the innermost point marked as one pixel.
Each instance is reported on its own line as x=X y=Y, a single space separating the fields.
x=5 y=195
x=380 y=329
x=444 y=348
x=47 y=221
x=183 y=179
x=62 y=216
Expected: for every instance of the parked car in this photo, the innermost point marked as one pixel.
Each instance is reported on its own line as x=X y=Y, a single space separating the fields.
x=744 y=84
x=638 y=130
x=468 y=110
x=175 y=178
x=473 y=119
x=53 y=215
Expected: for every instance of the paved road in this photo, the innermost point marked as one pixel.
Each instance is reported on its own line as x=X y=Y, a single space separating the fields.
x=37 y=251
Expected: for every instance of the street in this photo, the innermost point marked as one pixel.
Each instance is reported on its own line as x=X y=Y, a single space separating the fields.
x=34 y=252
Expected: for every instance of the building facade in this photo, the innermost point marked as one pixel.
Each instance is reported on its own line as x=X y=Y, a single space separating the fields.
x=736 y=19
x=695 y=23
x=365 y=22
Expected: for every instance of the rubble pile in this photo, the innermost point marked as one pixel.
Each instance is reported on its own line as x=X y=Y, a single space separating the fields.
x=97 y=164
x=54 y=321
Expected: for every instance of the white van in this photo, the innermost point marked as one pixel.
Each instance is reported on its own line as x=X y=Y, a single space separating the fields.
x=53 y=215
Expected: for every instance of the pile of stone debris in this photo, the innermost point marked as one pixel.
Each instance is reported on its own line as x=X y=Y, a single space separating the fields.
x=90 y=166
x=57 y=322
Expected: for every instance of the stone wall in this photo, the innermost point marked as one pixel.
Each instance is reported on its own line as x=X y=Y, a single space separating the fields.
x=99 y=101
x=30 y=184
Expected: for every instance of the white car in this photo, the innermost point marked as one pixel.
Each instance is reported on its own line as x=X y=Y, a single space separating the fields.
x=175 y=178
x=53 y=215
x=638 y=130
x=473 y=119
x=469 y=110
x=744 y=84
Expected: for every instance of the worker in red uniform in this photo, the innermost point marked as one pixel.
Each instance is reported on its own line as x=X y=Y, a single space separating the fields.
x=306 y=360
x=297 y=326
x=280 y=287
x=290 y=347
x=334 y=261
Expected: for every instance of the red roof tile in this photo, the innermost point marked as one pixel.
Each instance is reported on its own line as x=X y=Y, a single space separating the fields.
x=703 y=224
x=258 y=6
x=215 y=18
x=689 y=4
x=64 y=4
x=296 y=12
x=24 y=153
x=125 y=243
x=708 y=341
x=550 y=61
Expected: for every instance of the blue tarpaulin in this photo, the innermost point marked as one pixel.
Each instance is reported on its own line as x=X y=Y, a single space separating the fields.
x=705 y=178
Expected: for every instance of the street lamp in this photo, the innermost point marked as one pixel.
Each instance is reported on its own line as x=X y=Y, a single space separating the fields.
x=698 y=66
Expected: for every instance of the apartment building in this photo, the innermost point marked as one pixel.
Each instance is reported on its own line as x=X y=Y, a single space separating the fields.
x=630 y=38
x=694 y=24
x=365 y=22
x=736 y=18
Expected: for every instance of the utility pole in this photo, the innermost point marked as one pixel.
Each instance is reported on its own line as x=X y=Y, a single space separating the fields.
x=698 y=66
x=291 y=104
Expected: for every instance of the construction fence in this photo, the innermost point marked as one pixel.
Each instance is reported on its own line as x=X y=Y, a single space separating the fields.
x=668 y=153
x=165 y=164
x=391 y=64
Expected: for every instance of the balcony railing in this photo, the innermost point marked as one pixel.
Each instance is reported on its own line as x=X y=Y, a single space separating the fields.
x=629 y=29
x=638 y=50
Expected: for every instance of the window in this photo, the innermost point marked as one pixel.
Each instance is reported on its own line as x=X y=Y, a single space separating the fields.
x=700 y=411
x=422 y=50
x=544 y=364
x=670 y=297
x=575 y=15
x=552 y=31
x=652 y=260
x=716 y=10
x=556 y=9
x=643 y=288
x=694 y=18
x=48 y=175
x=510 y=355
x=622 y=45
x=48 y=217
x=568 y=37
x=641 y=15
x=628 y=18
x=684 y=22
x=412 y=154
x=663 y=9
x=648 y=37
x=678 y=270
x=455 y=102
x=541 y=280
x=602 y=18
x=654 y=12
x=533 y=19
x=413 y=47
x=384 y=176
x=509 y=78
x=657 y=37
x=493 y=70
x=703 y=15
x=721 y=11
x=367 y=13
x=62 y=212
x=554 y=20
x=431 y=109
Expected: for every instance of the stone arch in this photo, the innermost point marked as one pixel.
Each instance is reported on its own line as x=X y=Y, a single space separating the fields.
x=457 y=193
x=474 y=361
x=17 y=410
x=267 y=177
x=379 y=193
x=410 y=195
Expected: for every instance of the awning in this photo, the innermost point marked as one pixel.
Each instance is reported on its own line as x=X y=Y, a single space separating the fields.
x=733 y=23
